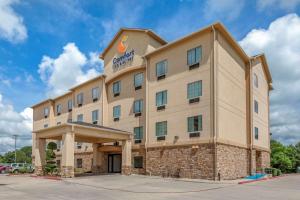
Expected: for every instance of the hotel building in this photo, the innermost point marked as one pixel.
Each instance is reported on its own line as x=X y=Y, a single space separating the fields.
x=197 y=107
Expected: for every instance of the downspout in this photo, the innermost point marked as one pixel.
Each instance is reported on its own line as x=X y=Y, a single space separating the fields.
x=213 y=107
x=147 y=113
x=103 y=90
x=250 y=113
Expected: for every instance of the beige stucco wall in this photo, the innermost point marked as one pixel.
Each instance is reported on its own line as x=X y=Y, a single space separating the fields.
x=140 y=42
x=230 y=94
x=39 y=119
x=177 y=77
x=88 y=105
x=126 y=100
x=261 y=95
x=65 y=114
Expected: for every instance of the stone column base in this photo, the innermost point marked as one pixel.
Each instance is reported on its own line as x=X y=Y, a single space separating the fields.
x=126 y=170
x=38 y=170
x=96 y=169
x=67 y=171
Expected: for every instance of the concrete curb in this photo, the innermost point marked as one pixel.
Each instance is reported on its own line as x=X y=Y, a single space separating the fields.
x=56 y=178
x=262 y=179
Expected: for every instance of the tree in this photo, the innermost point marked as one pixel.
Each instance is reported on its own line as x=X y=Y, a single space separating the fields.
x=50 y=167
x=23 y=156
x=285 y=158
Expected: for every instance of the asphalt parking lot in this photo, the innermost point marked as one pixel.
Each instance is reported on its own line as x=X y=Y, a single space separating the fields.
x=142 y=187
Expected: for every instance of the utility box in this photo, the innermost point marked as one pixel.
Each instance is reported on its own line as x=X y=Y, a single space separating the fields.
x=298 y=169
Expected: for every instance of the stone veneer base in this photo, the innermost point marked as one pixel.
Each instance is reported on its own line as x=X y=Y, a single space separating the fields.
x=193 y=161
x=38 y=170
x=126 y=170
x=232 y=162
x=67 y=171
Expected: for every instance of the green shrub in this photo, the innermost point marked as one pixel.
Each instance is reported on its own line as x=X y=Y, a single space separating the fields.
x=22 y=170
x=268 y=170
x=279 y=173
x=275 y=172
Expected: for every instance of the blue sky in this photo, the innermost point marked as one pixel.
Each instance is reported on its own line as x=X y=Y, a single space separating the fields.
x=37 y=38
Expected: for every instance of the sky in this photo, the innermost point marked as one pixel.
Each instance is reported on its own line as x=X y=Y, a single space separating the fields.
x=47 y=47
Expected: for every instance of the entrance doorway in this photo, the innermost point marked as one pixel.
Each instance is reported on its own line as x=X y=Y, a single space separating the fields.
x=114 y=163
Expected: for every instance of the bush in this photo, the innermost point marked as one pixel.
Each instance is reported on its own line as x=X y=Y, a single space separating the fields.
x=273 y=171
x=279 y=173
x=269 y=170
x=22 y=170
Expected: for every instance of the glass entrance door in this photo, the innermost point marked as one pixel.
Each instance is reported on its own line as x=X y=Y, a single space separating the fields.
x=114 y=163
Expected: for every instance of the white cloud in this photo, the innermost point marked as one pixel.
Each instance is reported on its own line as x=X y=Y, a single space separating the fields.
x=281 y=44
x=228 y=9
x=95 y=62
x=287 y=5
x=12 y=27
x=12 y=122
x=71 y=67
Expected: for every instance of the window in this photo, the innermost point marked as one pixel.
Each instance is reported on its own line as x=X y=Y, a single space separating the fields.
x=79 y=145
x=194 y=56
x=70 y=105
x=138 y=80
x=80 y=118
x=95 y=94
x=79 y=163
x=80 y=99
x=138 y=133
x=161 y=99
x=95 y=116
x=58 y=123
x=138 y=106
x=194 y=90
x=58 y=163
x=255 y=80
x=161 y=128
x=58 y=144
x=117 y=88
x=46 y=112
x=138 y=162
x=195 y=123
x=45 y=125
x=161 y=69
x=256 y=133
x=58 y=109
x=255 y=106
x=116 y=112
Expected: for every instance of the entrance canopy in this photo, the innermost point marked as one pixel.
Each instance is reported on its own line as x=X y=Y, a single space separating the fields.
x=84 y=132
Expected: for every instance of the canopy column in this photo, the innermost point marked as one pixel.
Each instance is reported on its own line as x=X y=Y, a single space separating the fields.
x=98 y=162
x=126 y=157
x=67 y=158
x=40 y=155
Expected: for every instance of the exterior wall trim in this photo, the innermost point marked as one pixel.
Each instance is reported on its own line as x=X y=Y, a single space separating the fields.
x=222 y=142
x=123 y=72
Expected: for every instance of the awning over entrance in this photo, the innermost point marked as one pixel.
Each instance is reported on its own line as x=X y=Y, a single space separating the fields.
x=83 y=132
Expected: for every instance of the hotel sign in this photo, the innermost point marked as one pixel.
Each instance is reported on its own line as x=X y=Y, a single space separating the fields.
x=125 y=57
